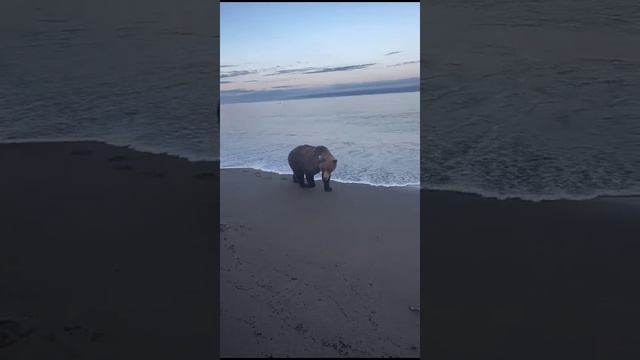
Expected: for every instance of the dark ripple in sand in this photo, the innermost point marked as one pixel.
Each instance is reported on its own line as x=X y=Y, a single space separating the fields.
x=176 y=33
x=153 y=174
x=81 y=152
x=53 y=21
x=11 y=331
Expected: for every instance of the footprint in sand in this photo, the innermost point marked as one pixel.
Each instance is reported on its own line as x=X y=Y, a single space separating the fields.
x=178 y=33
x=53 y=21
x=12 y=331
x=301 y=329
x=72 y=329
x=81 y=152
x=118 y=158
x=82 y=331
x=153 y=174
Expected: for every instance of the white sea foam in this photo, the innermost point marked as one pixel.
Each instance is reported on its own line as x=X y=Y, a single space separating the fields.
x=333 y=178
x=559 y=195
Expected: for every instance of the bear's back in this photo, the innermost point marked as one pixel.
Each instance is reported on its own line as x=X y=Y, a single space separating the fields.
x=302 y=158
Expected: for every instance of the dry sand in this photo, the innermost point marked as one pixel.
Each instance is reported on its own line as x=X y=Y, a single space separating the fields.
x=309 y=273
x=106 y=253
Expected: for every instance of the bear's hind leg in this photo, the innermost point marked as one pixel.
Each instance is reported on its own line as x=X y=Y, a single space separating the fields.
x=300 y=177
x=295 y=179
x=310 y=180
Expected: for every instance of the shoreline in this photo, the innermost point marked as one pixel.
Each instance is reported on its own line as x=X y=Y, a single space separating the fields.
x=453 y=190
x=137 y=148
x=405 y=186
x=421 y=187
x=527 y=198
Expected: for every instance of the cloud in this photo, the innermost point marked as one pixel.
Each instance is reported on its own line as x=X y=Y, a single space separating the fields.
x=251 y=81
x=237 y=73
x=319 y=70
x=226 y=66
x=405 y=63
x=291 y=71
x=225 y=82
x=281 y=87
x=340 y=68
x=392 y=53
x=237 y=92
x=269 y=69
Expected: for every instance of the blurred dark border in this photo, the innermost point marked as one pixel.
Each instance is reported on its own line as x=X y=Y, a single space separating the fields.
x=515 y=279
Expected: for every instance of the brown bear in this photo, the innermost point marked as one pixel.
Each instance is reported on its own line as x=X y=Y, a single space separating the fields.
x=307 y=160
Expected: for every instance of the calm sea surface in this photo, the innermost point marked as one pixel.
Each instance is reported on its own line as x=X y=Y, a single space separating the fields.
x=532 y=99
x=126 y=73
x=376 y=138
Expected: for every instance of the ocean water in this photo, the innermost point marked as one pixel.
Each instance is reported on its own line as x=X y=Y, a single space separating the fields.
x=376 y=138
x=145 y=77
x=532 y=99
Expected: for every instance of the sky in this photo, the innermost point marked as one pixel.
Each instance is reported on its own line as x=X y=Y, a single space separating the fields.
x=301 y=48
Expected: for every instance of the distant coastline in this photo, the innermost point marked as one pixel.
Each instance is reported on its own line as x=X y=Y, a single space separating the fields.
x=361 y=92
x=326 y=95
x=374 y=88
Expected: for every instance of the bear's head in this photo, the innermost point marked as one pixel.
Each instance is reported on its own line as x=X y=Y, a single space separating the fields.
x=326 y=162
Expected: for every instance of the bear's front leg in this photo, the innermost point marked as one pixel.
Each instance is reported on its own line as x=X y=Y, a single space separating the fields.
x=327 y=188
x=310 y=181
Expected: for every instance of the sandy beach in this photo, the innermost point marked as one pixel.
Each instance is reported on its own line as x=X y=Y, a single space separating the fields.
x=513 y=279
x=106 y=253
x=309 y=273
x=111 y=253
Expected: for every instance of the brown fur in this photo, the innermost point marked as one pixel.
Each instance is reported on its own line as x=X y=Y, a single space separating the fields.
x=307 y=160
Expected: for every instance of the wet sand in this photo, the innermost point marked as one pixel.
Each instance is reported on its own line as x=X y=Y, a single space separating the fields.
x=309 y=273
x=106 y=253
x=513 y=279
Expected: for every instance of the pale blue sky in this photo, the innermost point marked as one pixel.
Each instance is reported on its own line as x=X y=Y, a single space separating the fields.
x=270 y=46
